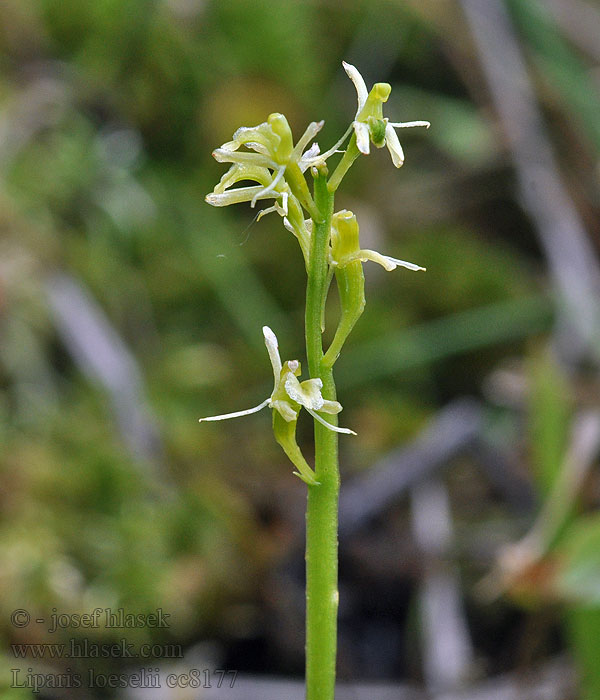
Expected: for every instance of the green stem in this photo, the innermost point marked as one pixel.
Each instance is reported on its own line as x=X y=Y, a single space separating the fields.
x=322 y=505
x=350 y=155
x=318 y=268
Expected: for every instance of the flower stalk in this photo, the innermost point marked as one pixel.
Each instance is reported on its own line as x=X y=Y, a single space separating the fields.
x=322 y=502
x=330 y=247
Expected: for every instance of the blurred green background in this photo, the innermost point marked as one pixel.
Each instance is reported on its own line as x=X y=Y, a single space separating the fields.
x=129 y=308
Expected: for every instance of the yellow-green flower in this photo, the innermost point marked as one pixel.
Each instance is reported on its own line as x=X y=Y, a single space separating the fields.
x=271 y=160
x=287 y=398
x=346 y=260
x=370 y=126
x=345 y=245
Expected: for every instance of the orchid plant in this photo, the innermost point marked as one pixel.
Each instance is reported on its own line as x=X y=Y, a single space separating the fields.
x=330 y=245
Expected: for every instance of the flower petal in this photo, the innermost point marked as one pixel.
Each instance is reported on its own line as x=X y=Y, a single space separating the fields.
x=276 y=207
x=262 y=134
x=359 y=84
x=237 y=414
x=307 y=393
x=335 y=428
x=270 y=210
x=332 y=407
x=386 y=261
x=239 y=172
x=363 y=137
x=273 y=350
x=285 y=410
x=403 y=263
x=271 y=187
x=309 y=157
x=405 y=125
x=305 y=161
x=258 y=147
x=394 y=147
x=237 y=195
x=311 y=131
x=374 y=256
x=222 y=155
